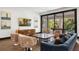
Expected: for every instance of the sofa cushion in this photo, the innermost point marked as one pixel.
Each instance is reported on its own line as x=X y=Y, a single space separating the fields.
x=71 y=33
x=67 y=36
x=63 y=39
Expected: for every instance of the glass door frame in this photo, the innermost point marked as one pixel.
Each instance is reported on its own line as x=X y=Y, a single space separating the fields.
x=75 y=18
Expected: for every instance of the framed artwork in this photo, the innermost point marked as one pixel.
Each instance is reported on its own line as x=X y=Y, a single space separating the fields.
x=24 y=22
x=5 y=20
x=5 y=24
x=5 y=15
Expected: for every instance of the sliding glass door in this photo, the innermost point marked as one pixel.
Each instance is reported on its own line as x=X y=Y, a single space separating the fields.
x=69 y=21
x=51 y=22
x=44 y=23
x=65 y=21
x=59 y=21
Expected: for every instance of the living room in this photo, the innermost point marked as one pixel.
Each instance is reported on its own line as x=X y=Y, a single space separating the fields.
x=25 y=20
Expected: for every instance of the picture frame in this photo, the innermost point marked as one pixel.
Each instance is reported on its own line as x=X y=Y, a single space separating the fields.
x=5 y=20
x=24 y=22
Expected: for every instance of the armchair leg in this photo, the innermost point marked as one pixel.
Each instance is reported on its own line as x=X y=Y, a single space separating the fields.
x=29 y=49
x=25 y=49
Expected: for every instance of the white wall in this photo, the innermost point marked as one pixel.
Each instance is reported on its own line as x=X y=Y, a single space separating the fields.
x=65 y=8
x=16 y=13
x=26 y=13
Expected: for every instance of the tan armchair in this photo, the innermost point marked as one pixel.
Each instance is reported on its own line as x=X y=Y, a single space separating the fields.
x=27 y=41
x=14 y=38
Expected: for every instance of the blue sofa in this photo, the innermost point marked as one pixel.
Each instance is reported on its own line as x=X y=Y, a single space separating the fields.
x=66 y=46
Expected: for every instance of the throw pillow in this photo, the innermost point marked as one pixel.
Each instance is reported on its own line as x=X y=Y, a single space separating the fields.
x=67 y=36
x=63 y=39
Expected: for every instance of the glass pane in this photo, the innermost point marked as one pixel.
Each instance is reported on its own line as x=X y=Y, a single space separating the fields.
x=44 y=23
x=51 y=22
x=69 y=21
x=59 y=21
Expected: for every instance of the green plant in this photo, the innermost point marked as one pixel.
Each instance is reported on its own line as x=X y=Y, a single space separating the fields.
x=69 y=25
x=51 y=23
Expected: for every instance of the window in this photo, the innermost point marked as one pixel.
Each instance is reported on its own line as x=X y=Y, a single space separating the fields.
x=59 y=21
x=44 y=23
x=69 y=21
x=50 y=22
x=66 y=21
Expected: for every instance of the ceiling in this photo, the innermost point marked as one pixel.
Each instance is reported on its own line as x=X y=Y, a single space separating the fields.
x=35 y=9
x=42 y=9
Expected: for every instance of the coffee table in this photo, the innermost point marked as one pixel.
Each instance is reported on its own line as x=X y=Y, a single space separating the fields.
x=44 y=36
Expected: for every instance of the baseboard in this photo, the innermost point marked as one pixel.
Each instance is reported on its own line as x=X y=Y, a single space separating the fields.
x=5 y=38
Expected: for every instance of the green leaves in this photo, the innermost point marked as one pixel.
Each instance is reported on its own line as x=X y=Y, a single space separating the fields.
x=69 y=24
